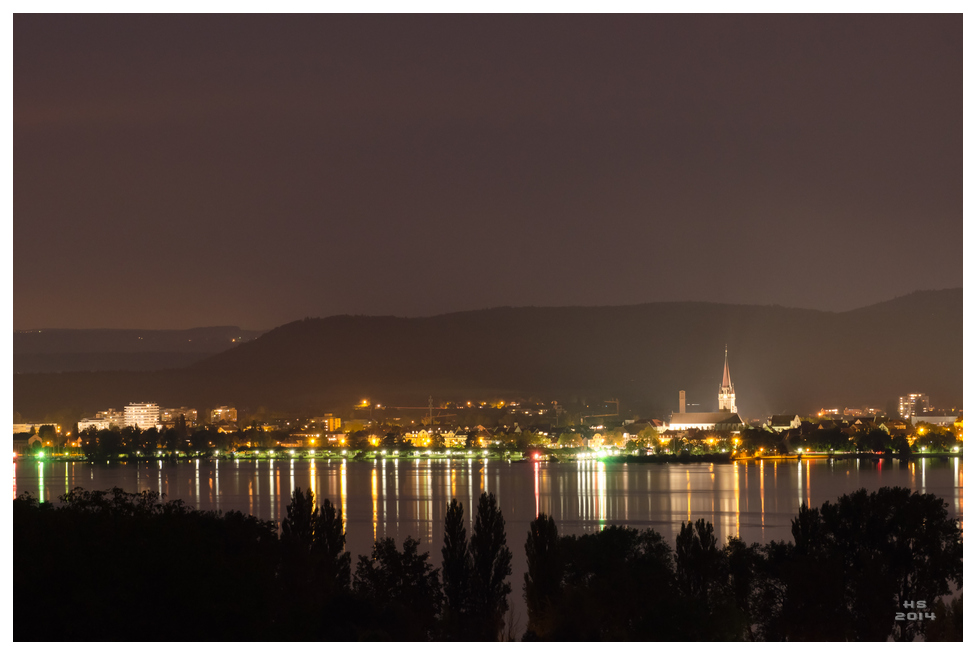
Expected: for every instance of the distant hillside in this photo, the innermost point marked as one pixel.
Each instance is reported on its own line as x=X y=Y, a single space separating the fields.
x=45 y=351
x=781 y=359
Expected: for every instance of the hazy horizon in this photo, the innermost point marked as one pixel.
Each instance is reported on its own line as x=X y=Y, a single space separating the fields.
x=480 y=309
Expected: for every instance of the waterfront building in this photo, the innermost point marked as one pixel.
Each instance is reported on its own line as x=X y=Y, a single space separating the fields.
x=141 y=415
x=425 y=438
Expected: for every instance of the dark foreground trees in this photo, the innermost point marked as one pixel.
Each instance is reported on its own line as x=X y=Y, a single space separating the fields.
x=114 y=566
x=109 y=566
x=852 y=566
x=855 y=563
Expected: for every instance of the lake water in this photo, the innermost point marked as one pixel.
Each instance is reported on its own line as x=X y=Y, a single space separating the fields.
x=400 y=498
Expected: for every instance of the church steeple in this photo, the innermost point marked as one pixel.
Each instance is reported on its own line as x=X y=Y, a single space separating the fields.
x=726 y=394
x=726 y=380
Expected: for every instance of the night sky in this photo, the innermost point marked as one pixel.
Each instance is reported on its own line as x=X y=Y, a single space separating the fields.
x=180 y=171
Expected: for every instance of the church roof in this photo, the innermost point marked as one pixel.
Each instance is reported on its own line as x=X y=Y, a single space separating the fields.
x=705 y=417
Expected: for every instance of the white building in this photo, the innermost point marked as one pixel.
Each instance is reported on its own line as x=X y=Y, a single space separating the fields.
x=780 y=422
x=722 y=421
x=97 y=423
x=141 y=415
x=103 y=420
x=942 y=421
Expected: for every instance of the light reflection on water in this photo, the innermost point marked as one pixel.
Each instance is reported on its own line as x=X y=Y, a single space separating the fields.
x=409 y=498
x=743 y=498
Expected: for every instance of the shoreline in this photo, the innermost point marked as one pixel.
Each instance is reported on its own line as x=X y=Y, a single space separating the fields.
x=549 y=457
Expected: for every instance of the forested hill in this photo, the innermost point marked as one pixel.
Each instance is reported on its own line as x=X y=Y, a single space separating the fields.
x=781 y=359
x=54 y=350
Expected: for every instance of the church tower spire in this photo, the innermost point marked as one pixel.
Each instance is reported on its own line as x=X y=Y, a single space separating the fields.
x=726 y=394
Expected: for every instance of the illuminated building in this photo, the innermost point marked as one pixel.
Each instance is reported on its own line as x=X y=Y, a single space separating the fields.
x=941 y=421
x=223 y=414
x=170 y=415
x=103 y=420
x=421 y=439
x=454 y=440
x=27 y=427
x=426 y=439
x=97 y=423
x=112 y=415
x=780 y=422
x=329 y=422
x=719 y=421
x=141 y=415
x=913 y=403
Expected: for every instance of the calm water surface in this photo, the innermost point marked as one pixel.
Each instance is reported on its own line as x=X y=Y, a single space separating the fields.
x=400 y=498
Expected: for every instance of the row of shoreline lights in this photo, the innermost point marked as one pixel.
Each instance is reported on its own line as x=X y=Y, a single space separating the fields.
x=395 y=453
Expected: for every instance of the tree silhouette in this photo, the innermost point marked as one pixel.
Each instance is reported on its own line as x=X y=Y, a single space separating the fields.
x=312 y=569
x=403 y=589
x=697 y=559
x=871 y=553
x=850 y=567
x=456 y=570
x=544 y=576
x=947 y=625
x=329 y=548
x=492 y=564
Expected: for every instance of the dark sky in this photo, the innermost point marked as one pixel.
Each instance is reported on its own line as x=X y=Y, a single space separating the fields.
x=179 y=171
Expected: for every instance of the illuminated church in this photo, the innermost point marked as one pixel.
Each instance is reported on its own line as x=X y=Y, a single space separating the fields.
x=726 y=395
x=725 y=419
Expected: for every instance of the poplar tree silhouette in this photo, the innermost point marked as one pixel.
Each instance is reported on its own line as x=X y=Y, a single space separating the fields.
x=456 y=571
x=544 y=577
x=492 y=564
